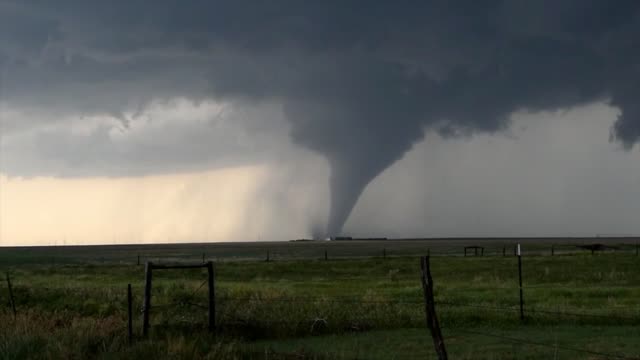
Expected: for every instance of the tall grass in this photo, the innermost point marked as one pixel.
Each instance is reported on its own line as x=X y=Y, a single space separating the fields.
x=78 y=311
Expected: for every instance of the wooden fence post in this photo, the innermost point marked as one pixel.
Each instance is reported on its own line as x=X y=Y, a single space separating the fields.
x=430 y=310
x=552 y=250
x=267 y=255
x=326 y=256
x=636 y=249
x=384 y=252
x=504 y=250
x=520 y=283
x=212 y=297
x=147 y=298
x=11 y=299
x=203 y=258
x=130 y=312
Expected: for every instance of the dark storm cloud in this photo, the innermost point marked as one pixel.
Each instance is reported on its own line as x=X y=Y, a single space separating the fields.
x=359 y=80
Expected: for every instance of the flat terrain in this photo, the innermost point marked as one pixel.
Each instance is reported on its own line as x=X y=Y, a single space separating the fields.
x=357 y=304
x=292 y=250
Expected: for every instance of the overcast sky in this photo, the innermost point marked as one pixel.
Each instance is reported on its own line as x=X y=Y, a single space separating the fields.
x=167 y=120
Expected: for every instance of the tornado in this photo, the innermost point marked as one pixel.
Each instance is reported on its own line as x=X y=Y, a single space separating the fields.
x=347 y=181
x=359 y=83
x=346 y=184
x=361 y=131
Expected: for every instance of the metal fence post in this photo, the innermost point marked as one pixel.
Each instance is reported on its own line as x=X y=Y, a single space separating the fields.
x=11 y=298
x=147 y=298
x=520 y=283
x=130 y=312
x=212 y=297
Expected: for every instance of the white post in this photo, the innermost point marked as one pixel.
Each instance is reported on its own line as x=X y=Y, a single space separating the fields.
x=520 y=284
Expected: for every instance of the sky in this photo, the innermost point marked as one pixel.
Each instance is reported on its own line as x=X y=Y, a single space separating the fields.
x=186 y=121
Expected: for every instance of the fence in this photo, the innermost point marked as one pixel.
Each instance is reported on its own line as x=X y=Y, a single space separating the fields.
x=270 y=255
x=312 y=250
x=274 y=254
x=433 y=326
x=430 y=305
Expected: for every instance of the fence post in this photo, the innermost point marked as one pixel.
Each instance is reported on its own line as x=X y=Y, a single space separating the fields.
x=552 y=250
x=504 y=250
x=147 y=298
x=203 y=258
x=267 y=256
x=384 y=253
x=11 y=299
x=212 y=297
x=636 y=249
x=138 y=259
x=326 y=256
x=430 y=310
x=520 y=283
x=130 y=312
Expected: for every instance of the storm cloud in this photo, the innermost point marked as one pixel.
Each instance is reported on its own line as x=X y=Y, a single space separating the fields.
x=359 y=82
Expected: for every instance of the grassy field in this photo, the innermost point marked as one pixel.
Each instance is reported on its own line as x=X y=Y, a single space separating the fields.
x=71 y=302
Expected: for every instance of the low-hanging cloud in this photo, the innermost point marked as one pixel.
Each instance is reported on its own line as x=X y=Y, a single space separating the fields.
x=358 y=81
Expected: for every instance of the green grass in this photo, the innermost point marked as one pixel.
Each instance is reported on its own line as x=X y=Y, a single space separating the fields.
x=468 y=343
x=364 y=308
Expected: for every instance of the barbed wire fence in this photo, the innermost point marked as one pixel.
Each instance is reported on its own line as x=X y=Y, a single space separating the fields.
x=311 y=324
x=314 y=323
x=271 y=255
x=121 y=255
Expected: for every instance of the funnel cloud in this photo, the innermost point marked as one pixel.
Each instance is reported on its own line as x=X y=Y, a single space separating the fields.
x=359 y=82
